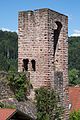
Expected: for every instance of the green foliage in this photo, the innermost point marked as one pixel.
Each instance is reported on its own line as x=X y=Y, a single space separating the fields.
x=47 y=103
x=19 y=85
x=74 y=77
x=74 y=60
x=3 y=105
x=74 y=52
x=8 y=51
x=75 y=115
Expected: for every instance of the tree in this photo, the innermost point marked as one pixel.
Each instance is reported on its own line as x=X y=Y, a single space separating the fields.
x=74 y=52
x=74 y=60
x=74 y=77
x=75 y=115
x=19 y=84
x=47 y=103
x=8 y=51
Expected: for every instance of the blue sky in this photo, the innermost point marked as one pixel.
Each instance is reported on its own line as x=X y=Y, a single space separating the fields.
x=9 y=12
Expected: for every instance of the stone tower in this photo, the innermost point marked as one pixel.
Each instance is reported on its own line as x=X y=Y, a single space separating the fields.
x=43 y=48
x=42 y=45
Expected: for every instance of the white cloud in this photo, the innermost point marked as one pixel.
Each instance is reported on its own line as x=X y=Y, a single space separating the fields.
x=76 y=33
x=6 y=29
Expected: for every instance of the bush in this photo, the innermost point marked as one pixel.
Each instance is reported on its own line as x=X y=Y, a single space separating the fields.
x=47 y=103
x=74 y=77
x=75 y=115
x=3 y=105
x=19 y=85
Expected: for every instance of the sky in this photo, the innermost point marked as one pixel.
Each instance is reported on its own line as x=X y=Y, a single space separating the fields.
x=9 y=12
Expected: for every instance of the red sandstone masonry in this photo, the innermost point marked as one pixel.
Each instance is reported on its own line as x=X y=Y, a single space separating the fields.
x=36 y=41
x=33 y=44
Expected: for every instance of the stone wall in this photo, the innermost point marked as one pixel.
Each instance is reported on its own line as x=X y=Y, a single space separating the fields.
x=63 y=94
x=33 y=45
x=43 y=38
x=36 y=41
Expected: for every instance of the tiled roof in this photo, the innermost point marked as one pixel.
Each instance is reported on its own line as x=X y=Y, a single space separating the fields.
x=26 y=107
x=74 y=98
x=6 y=113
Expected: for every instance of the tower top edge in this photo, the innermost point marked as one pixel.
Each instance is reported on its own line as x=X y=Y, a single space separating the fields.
x=42 y=10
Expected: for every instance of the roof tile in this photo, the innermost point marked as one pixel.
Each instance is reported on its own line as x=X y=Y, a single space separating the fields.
x=74 y=98
x=5 y=113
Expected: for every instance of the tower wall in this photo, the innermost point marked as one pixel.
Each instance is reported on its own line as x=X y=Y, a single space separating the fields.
x=34 y=44
x=43 y=50
x=36 y=41
x=58 y=33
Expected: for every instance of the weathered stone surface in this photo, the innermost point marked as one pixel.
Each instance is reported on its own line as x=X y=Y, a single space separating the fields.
x=36 y=41
x=43 y=37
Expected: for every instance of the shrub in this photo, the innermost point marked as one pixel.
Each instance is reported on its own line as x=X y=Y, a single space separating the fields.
x=47 y=103
x=74 y=77
x=75 y=115
x=19 y=85
x=3 y=105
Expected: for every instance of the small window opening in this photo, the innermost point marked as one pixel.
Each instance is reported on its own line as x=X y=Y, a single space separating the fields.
x=56 y=60
x=40 y=49
x=56 y=34
x=33 y=65
x=25 y=64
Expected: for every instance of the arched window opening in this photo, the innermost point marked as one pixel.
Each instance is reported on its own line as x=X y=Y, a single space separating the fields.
x=25 y=64
x=56 y=34
x=33 y=65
